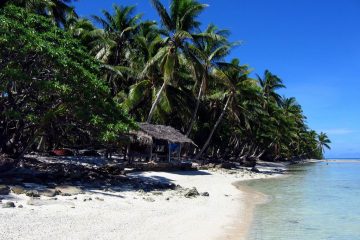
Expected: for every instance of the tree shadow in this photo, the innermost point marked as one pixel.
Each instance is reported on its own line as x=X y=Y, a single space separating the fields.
x=191 y=173
x=90 y=180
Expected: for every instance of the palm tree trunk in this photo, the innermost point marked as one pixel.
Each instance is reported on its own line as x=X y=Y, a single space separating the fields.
x=214 y=128
x=155 y=103
x=196 y=107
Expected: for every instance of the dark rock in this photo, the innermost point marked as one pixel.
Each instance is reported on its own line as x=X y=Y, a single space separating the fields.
x=193 y=192
x=32 y=193
x=227 y=165
x=205 y=194
x=8 y=205
x=90 y=153
x=254 y=169
x=65 y=194
x=249 y=163
x=6 y=163
x=167 y=199
x=4 y=190
x=87 y=199
x=20 y=206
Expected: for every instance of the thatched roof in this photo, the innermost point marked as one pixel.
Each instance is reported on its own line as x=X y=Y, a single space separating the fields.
x=162 y=132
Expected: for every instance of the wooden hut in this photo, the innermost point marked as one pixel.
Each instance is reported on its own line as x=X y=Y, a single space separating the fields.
x=158 y=143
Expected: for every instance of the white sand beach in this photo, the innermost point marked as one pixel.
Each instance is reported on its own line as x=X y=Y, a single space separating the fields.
x=120 y=214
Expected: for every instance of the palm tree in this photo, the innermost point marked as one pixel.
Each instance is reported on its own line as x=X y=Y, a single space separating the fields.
x=147 y=44
x=179 y=24
x=209 y=47
x=270 y=83
x=118 y=30
x=323 y=142
x=232 y=76
x=113 y=44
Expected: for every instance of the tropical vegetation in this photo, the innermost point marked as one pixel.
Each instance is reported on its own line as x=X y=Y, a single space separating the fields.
x=68 y=81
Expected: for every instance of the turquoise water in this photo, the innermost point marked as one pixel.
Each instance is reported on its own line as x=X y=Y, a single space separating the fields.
x=318 y=201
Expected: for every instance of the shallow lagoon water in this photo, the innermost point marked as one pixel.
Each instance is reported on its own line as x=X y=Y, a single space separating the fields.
x=318 y=201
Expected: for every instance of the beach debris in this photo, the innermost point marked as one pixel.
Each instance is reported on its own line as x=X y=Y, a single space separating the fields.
x=87 y=199
x=149 y=199
x=18 y=190
x=157 y=193
x=32 y=193
x=66 y=190
x=205 y=194
x=99 y=199
x=20 y=206
x=62 y=152
x=191 y=193
x=4 y=190
x=49 y=192
x=8 y=205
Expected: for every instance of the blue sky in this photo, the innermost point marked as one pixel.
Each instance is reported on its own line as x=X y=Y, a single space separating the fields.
x=314 y=46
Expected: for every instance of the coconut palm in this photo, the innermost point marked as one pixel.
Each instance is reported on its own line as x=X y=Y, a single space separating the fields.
x=270 y=83
x=115 y=37
x=232 y=76
x=323 y=142
x=179 y=23
x=209 y=47
x=113 y=43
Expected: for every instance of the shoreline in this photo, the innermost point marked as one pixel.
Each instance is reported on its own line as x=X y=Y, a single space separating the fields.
x=124 y=214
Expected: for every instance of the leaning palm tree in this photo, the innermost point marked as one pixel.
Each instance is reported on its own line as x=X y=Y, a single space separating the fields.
x=323 y=142
x=179 y=24
x=209 y=47
x=233 y=77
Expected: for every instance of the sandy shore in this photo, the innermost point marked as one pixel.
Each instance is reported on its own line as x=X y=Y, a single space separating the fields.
x=122 y=214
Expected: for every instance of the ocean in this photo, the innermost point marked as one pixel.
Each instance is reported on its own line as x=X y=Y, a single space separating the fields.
x=317 y=201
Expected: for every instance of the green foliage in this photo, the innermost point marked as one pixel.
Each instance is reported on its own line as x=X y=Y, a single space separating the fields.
x=72 y=87
x=50 y=84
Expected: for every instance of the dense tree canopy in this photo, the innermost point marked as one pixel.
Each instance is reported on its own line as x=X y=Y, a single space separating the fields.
x=50 y=87
x=69 y=82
